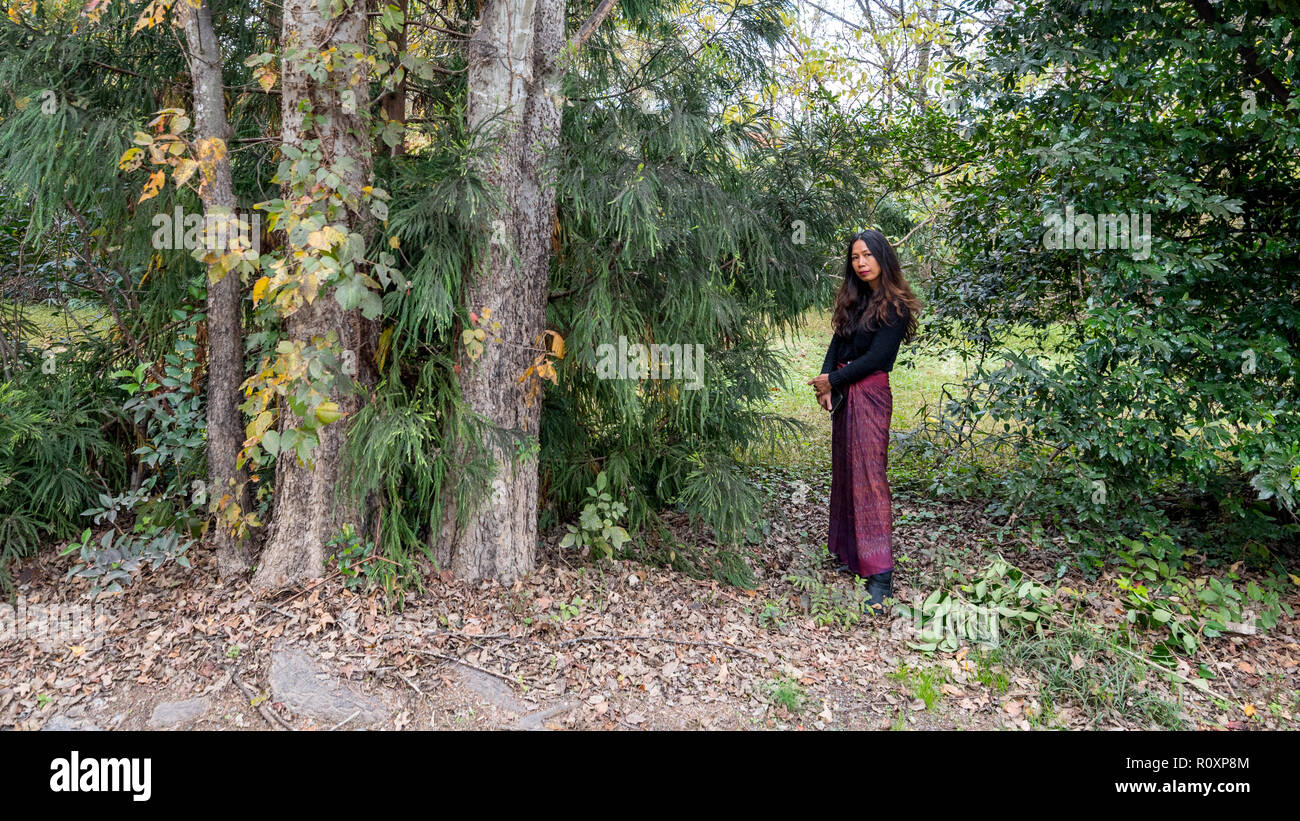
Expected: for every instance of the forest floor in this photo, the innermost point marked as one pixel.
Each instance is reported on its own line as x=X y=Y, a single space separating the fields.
x=618 y=645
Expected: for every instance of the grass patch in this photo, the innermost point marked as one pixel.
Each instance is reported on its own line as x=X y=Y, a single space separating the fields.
x=1079 y=665
x=989 y=670
x=43 y=325
x=925 y=683
x=788 y=693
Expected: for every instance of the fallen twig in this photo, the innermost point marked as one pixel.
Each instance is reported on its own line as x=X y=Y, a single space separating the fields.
x=455 y=660
x=270 y=715
x=718 y=644
x=345 y=721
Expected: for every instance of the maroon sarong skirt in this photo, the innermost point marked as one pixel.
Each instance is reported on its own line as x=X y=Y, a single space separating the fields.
x=861 y=524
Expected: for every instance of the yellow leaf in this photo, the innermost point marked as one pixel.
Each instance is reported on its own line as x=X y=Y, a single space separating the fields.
x=130 y=159
x=259 y=288
x=1294 y=579
x=381 y=350
x=1249 y=710
x=309 y=285
x=557 y=344
x=145 y=19
x=328 y=412
x=324 y=239
x=259 y=425
x=210 y=148
x=155 y=184
x=266 y=76
x=183 y=171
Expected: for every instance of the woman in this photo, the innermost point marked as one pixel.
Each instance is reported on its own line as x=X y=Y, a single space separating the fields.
x=875 y=311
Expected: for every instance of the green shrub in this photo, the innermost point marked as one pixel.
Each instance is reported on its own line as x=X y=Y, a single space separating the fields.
x=598 y=529
x=55 y=457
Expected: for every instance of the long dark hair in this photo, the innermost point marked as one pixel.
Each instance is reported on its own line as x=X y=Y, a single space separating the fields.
x=860 y=305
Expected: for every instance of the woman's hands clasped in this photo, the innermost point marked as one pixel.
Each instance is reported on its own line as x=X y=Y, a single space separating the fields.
x=822 y=384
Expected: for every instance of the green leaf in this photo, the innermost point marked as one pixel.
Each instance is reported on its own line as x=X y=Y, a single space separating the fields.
x=271 y=442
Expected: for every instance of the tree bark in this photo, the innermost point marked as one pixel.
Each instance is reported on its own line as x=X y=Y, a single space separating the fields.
x=225 y=333
x=394 y=102
x=306 y=514
x=513 y=74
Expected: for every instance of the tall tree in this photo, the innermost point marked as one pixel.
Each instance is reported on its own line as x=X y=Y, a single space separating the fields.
x=225 y=333
x=515 y=67
x=326 y=175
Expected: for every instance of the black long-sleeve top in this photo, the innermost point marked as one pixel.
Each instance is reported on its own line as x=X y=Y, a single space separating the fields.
x=869 y=350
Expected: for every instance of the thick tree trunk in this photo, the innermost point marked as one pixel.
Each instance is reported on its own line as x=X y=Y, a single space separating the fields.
x=306 y=514
x=512 y=73
x=225 y=334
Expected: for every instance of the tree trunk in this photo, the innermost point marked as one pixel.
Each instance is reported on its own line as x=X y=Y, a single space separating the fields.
x=512 y=73
x=225 y=335
x=394 y=102
x=306 y=514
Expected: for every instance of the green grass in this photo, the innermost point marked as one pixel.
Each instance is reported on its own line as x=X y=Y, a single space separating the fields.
x=1077 y=665
x=925 y=683
x=989 y=670
x=45 y=325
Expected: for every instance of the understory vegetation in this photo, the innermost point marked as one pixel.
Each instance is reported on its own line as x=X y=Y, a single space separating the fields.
x=1126 y=418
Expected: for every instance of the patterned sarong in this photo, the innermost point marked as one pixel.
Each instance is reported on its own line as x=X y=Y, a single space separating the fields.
x=861 y=525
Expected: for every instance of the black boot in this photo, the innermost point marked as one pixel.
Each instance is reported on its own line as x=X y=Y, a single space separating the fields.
x=879 y=586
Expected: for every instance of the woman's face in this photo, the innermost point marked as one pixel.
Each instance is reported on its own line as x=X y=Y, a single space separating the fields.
x=866 y=265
